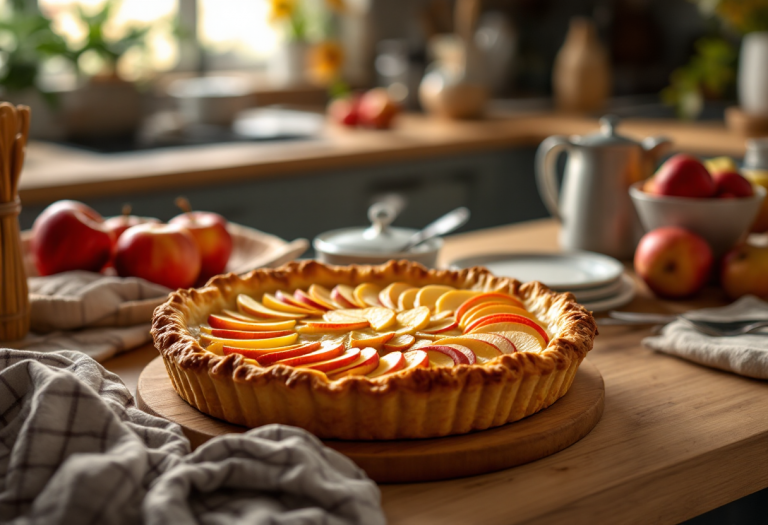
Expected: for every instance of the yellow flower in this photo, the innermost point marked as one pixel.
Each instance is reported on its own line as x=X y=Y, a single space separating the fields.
x=281 y=9
x=325 y=60
x=337 y=5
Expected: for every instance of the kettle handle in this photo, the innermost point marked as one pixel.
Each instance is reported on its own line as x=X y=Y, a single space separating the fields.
x=546 y=173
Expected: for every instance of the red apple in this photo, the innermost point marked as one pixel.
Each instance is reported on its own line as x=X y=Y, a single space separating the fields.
x=210 y=233
x=377 y=109
x=117 y=225
x=68 y=236
x=683 y=176
x=673 y=262
x=732 y=185
x=345 y=110
x=165 y=254
x=745 y=271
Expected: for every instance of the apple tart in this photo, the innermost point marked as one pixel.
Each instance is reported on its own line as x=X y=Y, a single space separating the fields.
x=372 y=352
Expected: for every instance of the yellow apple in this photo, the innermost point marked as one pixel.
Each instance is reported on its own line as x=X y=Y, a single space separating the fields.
x=745 y=271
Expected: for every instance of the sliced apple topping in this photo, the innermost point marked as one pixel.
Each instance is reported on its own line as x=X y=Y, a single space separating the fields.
x=390 y=295
x=323 y=297
x=367 y=294
x=243 y=334
x=399 y=343
x=301 y=297
x=502 y=343
x=361 y=340
x=441 y=326
x=344 y=296
x=230 y=323
x=449 y=355
x=344 y=359
x=483 y=309
x=365 y=363
x=215 y=348
x=450 y=301
x=428 y=295
x=488 y=297
x=323 y=327
x=270 y=354
x=484 y=350
x=380 y=318
x=273 y=342
x=509 y=318
x=291 y=300
x=513 y=327
x=416 y=359
x=251 y=306
x=439 y=316
x=390 y=363
x=328 y=350
x=282 y=305
x=413 y=320
x=523 y=341
x=240 y=316
x=406 y=299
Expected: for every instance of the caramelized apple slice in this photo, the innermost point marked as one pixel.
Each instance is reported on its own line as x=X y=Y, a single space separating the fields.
x=389 y=295
x=406 y=299
x=416 y=359
x=305 y=299
x=399 y=343
x=523 y=341
x=504 y=344
x=392 y=362
x=509 y=318
x=411 y=321
x=513 y=327
x=450 y=301
x=251 y=306
x=484 y=309
x=259 y=354
x=484 y=350
x=365 y=363
x=361 y=340
x=291 y=300
x=341 y=361
x=328 y=350
x=345 y=296
x=428 y=295
x=488 y=297
x=270 y=301
x=367 y=294
x=243 y=334
x=323 y=297
x=323 y=327
x=272 y=342
x=459 y=354
x=229 y=323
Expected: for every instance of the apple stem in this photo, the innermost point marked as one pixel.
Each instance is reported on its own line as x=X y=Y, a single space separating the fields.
x=183 y=203
x=127 y=209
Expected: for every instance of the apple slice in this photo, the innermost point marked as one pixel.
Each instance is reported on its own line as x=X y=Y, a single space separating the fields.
x=389 y=295
x=450 y=301
x=241 y=316
x=428 y=295
x=512 y=327
x=484 y=350
x=413 y=320
x=416 y=359
x=420 y=343
x=484 y=309
x=230 y=323
x=523 y=341
x=285 y=351
x=215 y=348
x=291 y=300
x=504 y=344
x=365 y=363
x=380 y=318
x=328 y=350
x=488 y=297
x=253 y=307
x=406 y=299
x=345 y=296
x=457 y=354
x=305 y=300
x=399 y=343
x=322 y=296
x=345 y=315
x=341 y=361
x=441 y=326
x=508 y=318
x=270 y=301
x=367 y=294
x=360 y=340
x=390 y=363
x=323 y=327
x=243 y=334
x=273 y=342
x=439 y=316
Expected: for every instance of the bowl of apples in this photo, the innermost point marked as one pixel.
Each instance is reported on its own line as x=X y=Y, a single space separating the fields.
x=718 y=204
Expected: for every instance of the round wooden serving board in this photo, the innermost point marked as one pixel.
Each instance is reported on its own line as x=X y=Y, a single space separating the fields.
x=537 y=436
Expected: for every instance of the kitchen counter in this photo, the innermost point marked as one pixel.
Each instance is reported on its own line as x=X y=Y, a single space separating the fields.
x=675 y=440
x=55 y=172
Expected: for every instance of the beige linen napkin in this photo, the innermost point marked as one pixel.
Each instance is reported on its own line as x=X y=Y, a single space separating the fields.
x=746 y=355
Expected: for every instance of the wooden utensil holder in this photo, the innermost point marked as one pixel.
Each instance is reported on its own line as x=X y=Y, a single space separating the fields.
x=14 y=299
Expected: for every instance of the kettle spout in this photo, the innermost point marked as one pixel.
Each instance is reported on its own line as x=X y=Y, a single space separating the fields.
x=655 y=147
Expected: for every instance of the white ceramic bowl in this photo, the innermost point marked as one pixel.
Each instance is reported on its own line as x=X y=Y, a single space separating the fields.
x=721 y=222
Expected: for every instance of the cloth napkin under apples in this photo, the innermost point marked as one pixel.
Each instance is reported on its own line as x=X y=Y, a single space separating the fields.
x=745 y=355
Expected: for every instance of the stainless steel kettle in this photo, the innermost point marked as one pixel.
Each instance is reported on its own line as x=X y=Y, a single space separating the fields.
x=593 y=204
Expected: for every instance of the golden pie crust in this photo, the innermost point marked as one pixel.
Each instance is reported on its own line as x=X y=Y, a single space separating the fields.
x=415 y=403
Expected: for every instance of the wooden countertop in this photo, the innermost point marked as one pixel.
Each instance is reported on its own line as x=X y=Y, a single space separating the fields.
x=676 y=439
x=54 y=172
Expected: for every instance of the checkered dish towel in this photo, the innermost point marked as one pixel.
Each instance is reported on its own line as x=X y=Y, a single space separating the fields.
x=746 y=355
x=96 y=314
x=75 y=449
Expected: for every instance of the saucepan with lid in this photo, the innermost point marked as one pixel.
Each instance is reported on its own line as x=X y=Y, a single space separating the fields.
x=382 y=242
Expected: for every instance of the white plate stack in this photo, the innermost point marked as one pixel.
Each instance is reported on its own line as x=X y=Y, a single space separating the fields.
x=598 y=281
